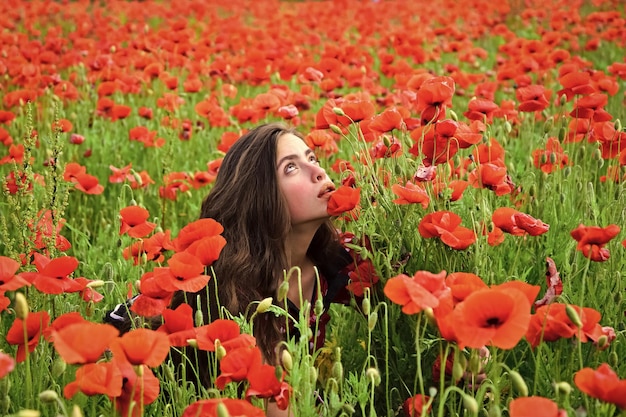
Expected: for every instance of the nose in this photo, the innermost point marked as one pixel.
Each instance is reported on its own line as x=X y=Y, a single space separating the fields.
x=318 y=173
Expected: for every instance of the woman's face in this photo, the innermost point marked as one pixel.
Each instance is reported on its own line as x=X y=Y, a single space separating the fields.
x=304 y=184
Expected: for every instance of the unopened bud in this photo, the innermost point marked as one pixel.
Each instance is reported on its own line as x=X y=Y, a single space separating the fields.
x=337 y=371
x=76 y=411
x=613 y=359
x=519 y=383
x=373 y=375
x=95 y=283
x=347 y=409
x=21 y=306
x=198 y=318
x=366 y=306
x=371 y=321
x=319 y=307
x=278 y=372
x=264 y=305
x=220 y=352
x=597 y=154
x=335 y=129
x=28 y=413
x=339 y=111
x=508 y=127
x=283 y=289
x=286 y=360
x=618 y=125
x=48 y=396
x=562 y=133
x=193 y=343
x=548 y=125
x=58 y=367
x=572 y=314
x=494 y=411
x=470 y=403
x=562 y=387
x=552 y=158
x=453 y=115
x=312 y=374
x=602 y=342
x=457 y=370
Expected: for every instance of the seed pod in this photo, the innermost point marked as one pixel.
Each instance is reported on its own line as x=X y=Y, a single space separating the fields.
x=518 y=383
x=563 y=387
x=371 y=321
x=283 y=289
x=366 y=306
x=319 y=307
x=470 y=403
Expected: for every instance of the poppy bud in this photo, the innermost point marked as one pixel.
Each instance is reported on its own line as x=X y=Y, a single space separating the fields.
x=519 y=383
x=613 y=359
x=373 y=375
x=335 y=129
x=286 y=360
x=48 y=396
x=618 y=125
x=332 y=386
x=319 y=307
x=198 y=318
x=562 y=133
x=278 y=372
x=453 y=115
x=572 y=314
x=567 y=171
x=169 y=373
x=366 y=306
x=283 y=289
x=222 y=410
x=312 y=374
x=21 y=306
x=193 y=343
x=563 y=387
x=602 y=342
x=508 y=127
x=76 y=411
x=58 y=367
x=552 y=158
x=475 y=365
x=137 y=178
x=337 y=371
x=470 y=403
x=339 y=111
x=371 y=321
x=548 y=125
x=220 y=352
x=264 y=305
x=5 y=404
x=597 y=154
x=532 y=190
x=347 y=409
x=28 y=413
x=457 y=370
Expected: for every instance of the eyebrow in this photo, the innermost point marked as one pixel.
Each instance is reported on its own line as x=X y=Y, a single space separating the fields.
x=308 y=152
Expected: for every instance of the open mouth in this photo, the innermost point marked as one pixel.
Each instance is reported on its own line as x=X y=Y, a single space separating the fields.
x=328 y=188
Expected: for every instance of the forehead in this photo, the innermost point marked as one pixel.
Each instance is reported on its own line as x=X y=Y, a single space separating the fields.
x=289 y=144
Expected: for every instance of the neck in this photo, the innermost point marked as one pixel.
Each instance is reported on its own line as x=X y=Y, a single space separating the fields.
x=298 y=243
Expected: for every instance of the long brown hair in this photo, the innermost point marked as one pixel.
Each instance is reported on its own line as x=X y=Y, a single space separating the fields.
x=247 y=201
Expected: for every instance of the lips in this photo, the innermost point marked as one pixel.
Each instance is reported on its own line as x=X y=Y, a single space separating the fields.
x=326 y=189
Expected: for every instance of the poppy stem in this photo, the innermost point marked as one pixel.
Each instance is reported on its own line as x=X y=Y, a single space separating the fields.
x=29 y=389
x=418 y=350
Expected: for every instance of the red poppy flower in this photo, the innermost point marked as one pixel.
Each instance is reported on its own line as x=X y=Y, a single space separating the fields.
x=236 y=365
x=415 y=406
x=491 y=176
x=481 y=109
x=16 y=154
x=207 y=250
x=356 y=107
x=25 y=334
x=62 y=125
x=452 y=190
x=52 y=276
x=410 y=194
x=96 y=378
x=446 y=225
x=133 y=220
x=194 y=231
x=185 y=272
x=390 y=119
x=436 y=143
x=153 y=299
x=322 y=140
x=141 y=347
x=551 y=158
x=532 y=98
x=234 y=407
x=139 y=388
x=362 y=277
x=434 y=96
x=534 y=406
x=264 y=384
x=7 y=364
x=9 y=281
x=417 y=293
x=178 y=325
x=88 y=184
x=551 y=322
x=591 y=240
x=227 y=332
x=603 y=384
x=495 y=317
x=517 y=223
x=83 y=342
x=343 y=199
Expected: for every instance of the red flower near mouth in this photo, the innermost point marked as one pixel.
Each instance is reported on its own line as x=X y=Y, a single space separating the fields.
x=342 y=200
x=603 y=384
x=591 y=240
x=517 y=223
x=25 y=334
x=134 y=221
x=446 y=225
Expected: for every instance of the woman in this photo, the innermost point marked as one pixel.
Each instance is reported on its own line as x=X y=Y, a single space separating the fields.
x=271 y=197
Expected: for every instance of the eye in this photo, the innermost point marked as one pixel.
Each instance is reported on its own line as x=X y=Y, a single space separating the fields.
x=314 y=159
x=289 y=167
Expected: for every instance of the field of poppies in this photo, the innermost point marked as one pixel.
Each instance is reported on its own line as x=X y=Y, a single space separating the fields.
x=480 y=163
